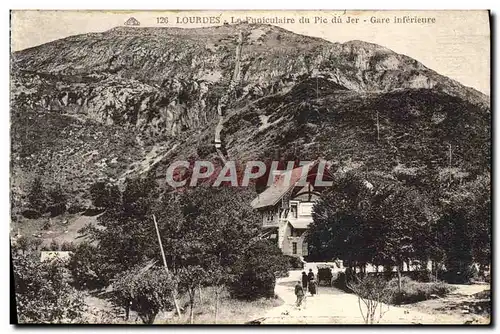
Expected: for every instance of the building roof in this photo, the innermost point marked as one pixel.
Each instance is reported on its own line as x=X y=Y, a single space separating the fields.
x=300 y=222
x=280 y=187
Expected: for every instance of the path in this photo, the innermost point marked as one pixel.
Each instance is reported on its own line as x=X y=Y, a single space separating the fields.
x=333 y=306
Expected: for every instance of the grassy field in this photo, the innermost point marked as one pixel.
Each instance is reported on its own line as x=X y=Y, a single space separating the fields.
x=63 y=228
x=231 y=311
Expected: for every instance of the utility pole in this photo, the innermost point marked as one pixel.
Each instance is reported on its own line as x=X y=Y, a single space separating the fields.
x=165 y=265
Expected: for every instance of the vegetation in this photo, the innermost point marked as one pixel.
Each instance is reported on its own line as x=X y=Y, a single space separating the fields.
x=413 y=291
x=209 y=236
x=389 y=223
x=43 y=294
x=148 y=291
x=373 y=292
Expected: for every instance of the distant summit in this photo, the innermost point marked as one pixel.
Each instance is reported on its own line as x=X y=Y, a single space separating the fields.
x=132 y=22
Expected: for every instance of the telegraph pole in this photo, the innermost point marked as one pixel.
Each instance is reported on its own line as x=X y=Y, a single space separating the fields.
x=166 y=266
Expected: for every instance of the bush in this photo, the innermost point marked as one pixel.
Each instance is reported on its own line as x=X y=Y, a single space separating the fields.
x=31 y=214
x=294 y=262
x=57 y=209
x=342 y=279
x=412 y=291
x=257 y=270
x=372 y=291
x=149 y=291
x=42 y=293
x=87 y=267
x=37 y=197
x=253 y=285
x=457 y=276
x=68 y=246
x=54 y=245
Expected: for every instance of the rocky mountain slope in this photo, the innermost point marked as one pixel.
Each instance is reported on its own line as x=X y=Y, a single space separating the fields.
x=152 y=94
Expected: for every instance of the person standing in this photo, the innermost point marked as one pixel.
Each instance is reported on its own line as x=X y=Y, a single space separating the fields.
x=299 y=292
x=305 y=280
x=310 y=275
x=312 y=287
x=311 y=282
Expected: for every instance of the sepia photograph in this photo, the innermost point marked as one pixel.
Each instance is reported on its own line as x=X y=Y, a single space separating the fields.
x=250 y=167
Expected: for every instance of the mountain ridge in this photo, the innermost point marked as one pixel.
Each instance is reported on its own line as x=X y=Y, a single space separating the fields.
x=162 y=86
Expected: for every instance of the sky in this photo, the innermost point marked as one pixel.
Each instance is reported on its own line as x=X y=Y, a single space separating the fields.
x=457 y=44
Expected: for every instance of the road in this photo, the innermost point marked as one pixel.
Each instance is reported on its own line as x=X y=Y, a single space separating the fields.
x=333 y=306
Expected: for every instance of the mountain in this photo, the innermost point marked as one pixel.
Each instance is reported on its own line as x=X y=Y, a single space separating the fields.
x=131 y=100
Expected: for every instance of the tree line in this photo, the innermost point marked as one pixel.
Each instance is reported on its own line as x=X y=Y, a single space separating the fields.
x=388 y=223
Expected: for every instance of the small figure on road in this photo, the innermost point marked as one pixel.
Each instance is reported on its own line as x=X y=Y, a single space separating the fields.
x=312 y=287
x=299 y=292
x=310 y=275
x=305 y=280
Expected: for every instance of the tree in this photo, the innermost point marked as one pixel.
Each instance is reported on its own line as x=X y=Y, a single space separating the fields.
x=57 y=200
x=407 y=215
x=26 y=244
x=463 y=234
x=37 y=196
x=149 y=290
x=54 y=245
x=190 y=278
x=43 y=295
x=104 y=194
x=386 y=223
x=204 y=227
x=88 y=267
x=257 y=269
x=126 y=235
x=342 y=225
x=373 y=292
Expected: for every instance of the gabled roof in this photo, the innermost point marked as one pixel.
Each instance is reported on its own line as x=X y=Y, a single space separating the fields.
x=280 y=187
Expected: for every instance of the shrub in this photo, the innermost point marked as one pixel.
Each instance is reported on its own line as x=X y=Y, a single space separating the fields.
x=253 y=285
x=372 y=291
x=68 y=246
x=31 y=214
x=456 y=276
x=257 y=269
x=37 y=197
x=57 y=209
x=88 y=268
x=26 y=244
x=294 y=262
x=149 y=291
x=342 y=279
x=42 y=293
x=54 y=245
x=412 y=291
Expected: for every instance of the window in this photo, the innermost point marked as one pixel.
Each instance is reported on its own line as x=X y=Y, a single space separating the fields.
x=293 y=209
x=294 y=248
x=304 y=249
x=306 y=209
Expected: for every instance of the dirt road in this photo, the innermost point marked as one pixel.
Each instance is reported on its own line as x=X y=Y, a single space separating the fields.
x=333 y=306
